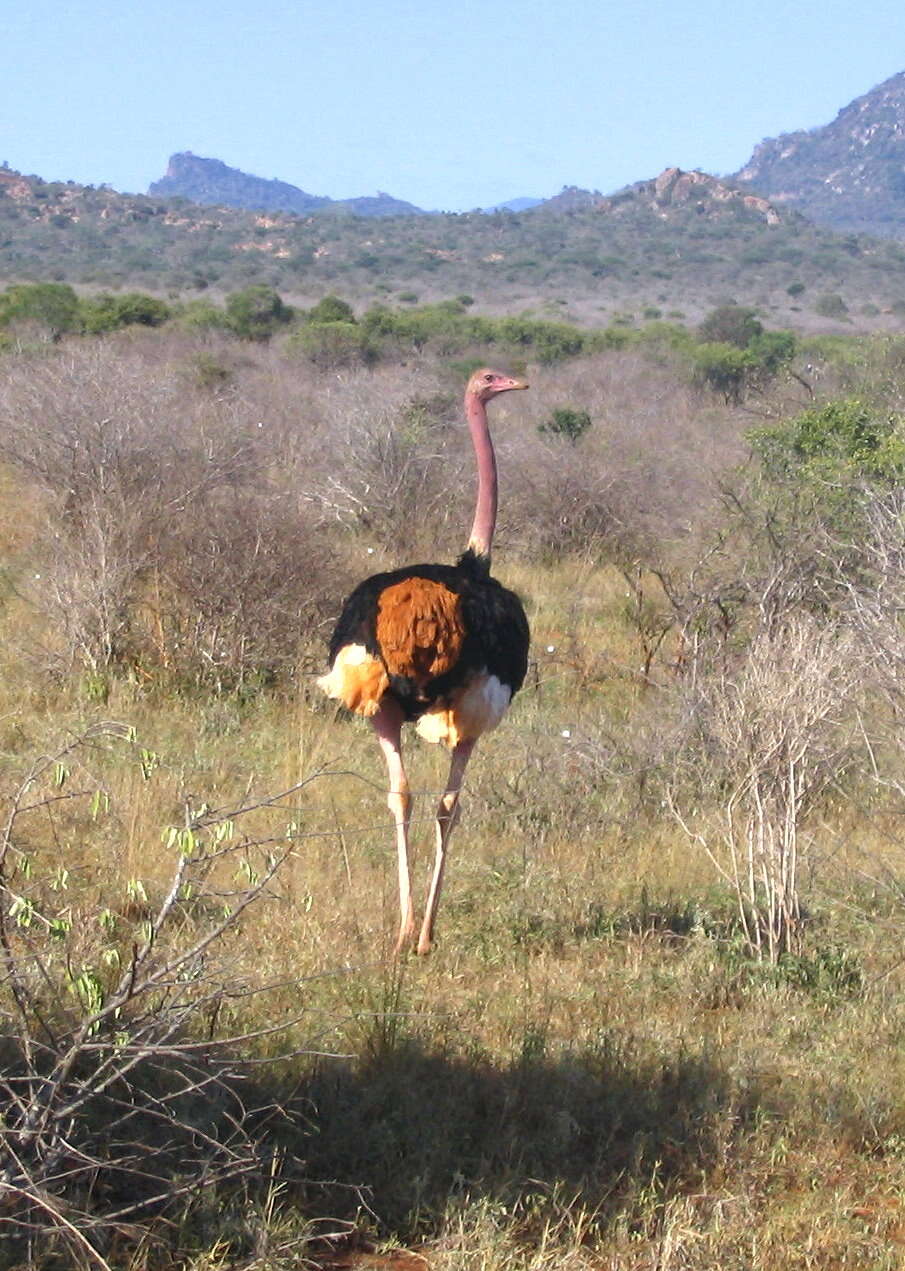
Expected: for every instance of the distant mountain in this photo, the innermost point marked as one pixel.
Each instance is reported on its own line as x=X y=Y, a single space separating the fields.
x=210 y=182
x=849 y=174
x=379 y=205
x=572 y=199
x=514 y=205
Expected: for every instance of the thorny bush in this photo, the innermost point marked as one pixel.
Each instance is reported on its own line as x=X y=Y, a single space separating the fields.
x=124 y=1072
x=172 y=538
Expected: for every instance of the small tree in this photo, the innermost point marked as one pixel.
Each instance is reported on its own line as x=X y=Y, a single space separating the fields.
x=331 y=309
x=730 y=324
x=52 y=305
x=106 y=312
x=257 y=312
x=334 y=344
x=568 y=423
x=722 y=368
x=831 y=305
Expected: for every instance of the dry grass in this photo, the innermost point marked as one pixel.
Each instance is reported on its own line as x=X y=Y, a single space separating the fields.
x=588 y=1072
x=585 y=1072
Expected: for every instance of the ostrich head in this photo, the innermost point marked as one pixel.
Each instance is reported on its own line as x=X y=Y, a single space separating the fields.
x=486 y=383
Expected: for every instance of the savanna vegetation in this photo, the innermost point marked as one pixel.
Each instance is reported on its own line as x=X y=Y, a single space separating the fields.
x=578 y=257
x=664 y=1024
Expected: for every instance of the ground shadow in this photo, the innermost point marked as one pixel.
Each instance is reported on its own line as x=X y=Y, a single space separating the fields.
x=391 y=1142
x=414 y=1127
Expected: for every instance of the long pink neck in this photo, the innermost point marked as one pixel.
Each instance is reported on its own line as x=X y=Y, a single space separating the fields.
x=485 y=509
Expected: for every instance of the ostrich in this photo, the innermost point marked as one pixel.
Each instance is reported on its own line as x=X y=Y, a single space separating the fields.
x=443 y=646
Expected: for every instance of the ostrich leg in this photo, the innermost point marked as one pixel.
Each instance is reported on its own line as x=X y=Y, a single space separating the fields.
x=447 y=818
x=388 y=726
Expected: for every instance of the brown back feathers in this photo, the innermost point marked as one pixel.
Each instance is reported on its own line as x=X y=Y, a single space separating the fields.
x=419 y=629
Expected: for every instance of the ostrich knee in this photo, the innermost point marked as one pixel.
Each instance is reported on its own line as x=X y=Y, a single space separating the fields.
x=400 y=804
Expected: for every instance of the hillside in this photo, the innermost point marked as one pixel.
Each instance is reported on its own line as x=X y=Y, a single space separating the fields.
x=212 y=183
x=849 y=174
x=677 y=244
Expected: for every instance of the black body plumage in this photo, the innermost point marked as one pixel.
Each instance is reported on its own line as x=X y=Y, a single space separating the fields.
x=496 y=629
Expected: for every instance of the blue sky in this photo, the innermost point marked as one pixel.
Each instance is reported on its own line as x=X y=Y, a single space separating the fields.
x=449 y=105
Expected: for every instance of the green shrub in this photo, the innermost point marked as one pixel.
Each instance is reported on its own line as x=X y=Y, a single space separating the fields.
x=841 y=442
x=210 y=374
x=334 y=344
x=50 y=304
x=730 y=324
x=722 y=368
x=771 y=350
x=256 y=312
x=202 y=315
x=448 y=329
x=567 y=423
x=331 y=309
x=106 y=312
x=831 y=305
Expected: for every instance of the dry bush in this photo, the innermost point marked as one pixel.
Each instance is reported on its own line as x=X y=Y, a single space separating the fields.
x=876 y=596
x=661 y=444
x=172 y=537
x=126 y=1081
x=198 y=523
x=557 y=498
x=873 y=601
x=643 y=480
x=770 y=736
x=245 y=590
x=394 y=464
x=94 y=421
x=390 y=455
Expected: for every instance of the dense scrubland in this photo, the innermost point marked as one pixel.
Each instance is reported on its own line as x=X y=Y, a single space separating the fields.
x=663 y=1026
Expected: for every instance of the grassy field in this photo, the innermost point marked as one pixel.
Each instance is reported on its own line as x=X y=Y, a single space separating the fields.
x=592 y=1070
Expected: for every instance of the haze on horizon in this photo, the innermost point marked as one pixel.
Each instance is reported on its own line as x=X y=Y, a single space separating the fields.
x=447 y=105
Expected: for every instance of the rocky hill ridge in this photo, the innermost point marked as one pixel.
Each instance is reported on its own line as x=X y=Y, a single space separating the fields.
x=849 y=174
x=213 y=182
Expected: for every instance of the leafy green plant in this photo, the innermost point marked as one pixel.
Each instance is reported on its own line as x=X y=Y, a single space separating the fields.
x=733 y=369
x=257 y=312
x=52 y=305
x=330 y=309
x=568 y=423
x=844 y=440
x=730 y=324
x=201 y=315
x=723 y=368
x=334 y=344
x=106 y=312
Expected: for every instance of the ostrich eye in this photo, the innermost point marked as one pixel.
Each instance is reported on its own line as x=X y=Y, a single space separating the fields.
x=488 y=379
